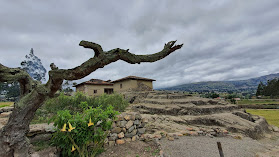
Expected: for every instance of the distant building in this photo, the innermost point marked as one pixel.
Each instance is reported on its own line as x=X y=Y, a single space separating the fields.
x=95 y=87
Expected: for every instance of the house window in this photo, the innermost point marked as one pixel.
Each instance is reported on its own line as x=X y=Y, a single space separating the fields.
x=120 y=85
x=95 y=91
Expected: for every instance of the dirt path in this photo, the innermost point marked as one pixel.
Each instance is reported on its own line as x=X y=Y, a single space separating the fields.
x=206 y=146
x=132 y=149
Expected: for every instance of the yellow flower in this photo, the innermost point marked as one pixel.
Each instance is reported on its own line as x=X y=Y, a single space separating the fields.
x=73 y=148
x=90 y=123
x=64 y=127
x=70 y=127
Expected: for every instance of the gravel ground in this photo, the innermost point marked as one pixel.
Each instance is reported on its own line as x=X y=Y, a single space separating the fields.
x=205 y=146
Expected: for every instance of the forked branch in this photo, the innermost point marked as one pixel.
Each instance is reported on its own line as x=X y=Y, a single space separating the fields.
x=103 y=58
x=17 y=74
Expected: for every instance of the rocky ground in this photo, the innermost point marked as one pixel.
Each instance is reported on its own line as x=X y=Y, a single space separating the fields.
x=206 y=146
x=183 y=125
x=176 y=112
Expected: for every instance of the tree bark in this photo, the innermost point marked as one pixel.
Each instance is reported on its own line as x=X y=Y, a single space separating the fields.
x=13 y=141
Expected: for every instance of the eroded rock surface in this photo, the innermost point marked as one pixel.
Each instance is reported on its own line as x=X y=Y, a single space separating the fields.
x=174 y=112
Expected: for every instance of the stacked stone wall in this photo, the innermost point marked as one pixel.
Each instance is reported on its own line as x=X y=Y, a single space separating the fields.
x=128 y=127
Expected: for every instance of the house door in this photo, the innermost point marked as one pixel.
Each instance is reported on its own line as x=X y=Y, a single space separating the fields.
x=108 y=90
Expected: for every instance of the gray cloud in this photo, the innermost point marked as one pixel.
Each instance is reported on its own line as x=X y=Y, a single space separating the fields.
x=223 y=40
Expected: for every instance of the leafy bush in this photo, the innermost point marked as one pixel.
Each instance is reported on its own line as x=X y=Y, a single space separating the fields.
x=74 y=103
x=82 y=134
x=115 y=100
x=64 y=102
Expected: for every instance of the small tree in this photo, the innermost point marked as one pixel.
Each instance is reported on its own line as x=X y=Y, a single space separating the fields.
x=32 y=64
x=13 y=141
x=260 y=89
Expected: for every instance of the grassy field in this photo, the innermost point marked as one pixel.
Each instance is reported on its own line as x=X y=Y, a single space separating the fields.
x=257 y=101
x=272 y=116
x=4 y=104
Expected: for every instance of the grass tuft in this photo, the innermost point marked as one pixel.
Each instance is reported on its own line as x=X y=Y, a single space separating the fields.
x=5 y=104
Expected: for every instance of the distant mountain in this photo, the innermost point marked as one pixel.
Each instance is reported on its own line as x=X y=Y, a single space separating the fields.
x=249 y=85
x=33 y=65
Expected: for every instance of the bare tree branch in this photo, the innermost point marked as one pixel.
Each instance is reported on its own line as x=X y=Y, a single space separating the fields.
x=105 y=58
x=96 y=47
x=17 y=74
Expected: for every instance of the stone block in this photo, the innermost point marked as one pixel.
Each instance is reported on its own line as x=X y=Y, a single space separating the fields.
x=123 y=123
x=127 y=117
x=131 y=129
x=141 y=125
x=133 y=133
x=120 y=141
x=111 y=143
x=128 y=139
x=121 y=135
x=129 y=124
x=113 y=137
x=136 y=122
x=134 y=138
x=141 y=130
x=133 y=116
x=116 y=130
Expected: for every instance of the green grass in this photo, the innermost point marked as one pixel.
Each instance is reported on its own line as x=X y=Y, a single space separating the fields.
x=5 y=104
x=257 y=101
x=271 y=116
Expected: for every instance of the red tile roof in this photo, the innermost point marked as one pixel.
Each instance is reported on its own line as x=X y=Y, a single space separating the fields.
x=95 y=82
x=133 y=78
x=110 y=83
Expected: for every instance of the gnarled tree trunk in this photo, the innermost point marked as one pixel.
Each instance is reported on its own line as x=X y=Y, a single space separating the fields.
x=13 y=141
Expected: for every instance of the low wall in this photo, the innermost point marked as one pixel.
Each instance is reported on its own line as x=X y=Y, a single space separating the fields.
x=128 y=127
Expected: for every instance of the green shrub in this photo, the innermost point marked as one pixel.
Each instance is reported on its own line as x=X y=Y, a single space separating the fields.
x=64 y=102
x=115 y=100
x=75 y=103
x=82 y=134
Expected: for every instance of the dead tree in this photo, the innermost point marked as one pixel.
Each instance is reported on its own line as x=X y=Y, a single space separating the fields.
x=13 y=141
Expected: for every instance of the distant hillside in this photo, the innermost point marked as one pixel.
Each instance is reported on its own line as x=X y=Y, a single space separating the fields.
x=249 y=85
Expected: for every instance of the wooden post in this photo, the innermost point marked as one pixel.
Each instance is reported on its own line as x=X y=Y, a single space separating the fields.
x=220 y=149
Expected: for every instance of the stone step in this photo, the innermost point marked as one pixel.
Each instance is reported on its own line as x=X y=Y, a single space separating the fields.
x=167 y=96
x=6 y=109
x=254 y=128
x=5 y=114
x=197 y=102
x=183 y=110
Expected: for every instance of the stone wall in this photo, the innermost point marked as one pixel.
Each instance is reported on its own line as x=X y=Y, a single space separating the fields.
x=128 y=127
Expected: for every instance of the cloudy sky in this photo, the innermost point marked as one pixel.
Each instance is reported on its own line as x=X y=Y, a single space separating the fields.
x=223 y=39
